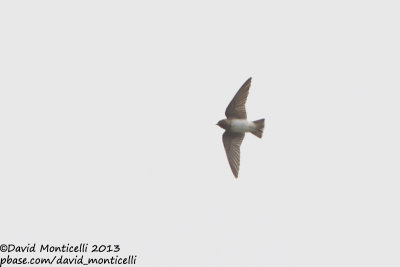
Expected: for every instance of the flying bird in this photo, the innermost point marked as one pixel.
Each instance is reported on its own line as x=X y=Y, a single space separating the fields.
x=236 y=125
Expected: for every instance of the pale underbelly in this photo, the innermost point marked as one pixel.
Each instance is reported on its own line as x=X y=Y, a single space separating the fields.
x=241 y=126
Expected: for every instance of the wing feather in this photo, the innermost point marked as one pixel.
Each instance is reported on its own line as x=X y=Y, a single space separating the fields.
x=237 y=106
x=232 y=142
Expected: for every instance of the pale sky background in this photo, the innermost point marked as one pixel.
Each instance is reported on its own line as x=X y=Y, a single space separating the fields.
x=108 y=135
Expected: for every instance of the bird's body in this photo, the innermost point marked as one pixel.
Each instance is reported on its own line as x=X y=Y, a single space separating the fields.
x=241 y=126
x=236 y=125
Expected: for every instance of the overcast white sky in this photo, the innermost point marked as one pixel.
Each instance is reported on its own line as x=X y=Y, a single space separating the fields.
x=107 y=130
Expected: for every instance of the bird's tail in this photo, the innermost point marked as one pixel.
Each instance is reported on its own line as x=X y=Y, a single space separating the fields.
x=259 y=129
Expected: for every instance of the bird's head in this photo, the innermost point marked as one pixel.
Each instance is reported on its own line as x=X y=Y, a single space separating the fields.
x=223 y=124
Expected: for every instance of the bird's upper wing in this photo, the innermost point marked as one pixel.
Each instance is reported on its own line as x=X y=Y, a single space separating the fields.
x=236 y=108
x=232 y=142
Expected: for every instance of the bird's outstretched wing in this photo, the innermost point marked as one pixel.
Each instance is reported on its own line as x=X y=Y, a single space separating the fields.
x=232 y=142
x=237 y=109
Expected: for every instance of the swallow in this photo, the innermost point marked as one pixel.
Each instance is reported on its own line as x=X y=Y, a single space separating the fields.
x=236 y=125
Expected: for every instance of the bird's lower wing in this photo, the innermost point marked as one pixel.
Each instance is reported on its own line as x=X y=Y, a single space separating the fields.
x=232 y=142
